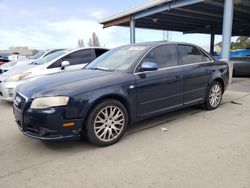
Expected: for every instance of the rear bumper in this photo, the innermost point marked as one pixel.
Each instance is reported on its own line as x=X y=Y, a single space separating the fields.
x=47 y=124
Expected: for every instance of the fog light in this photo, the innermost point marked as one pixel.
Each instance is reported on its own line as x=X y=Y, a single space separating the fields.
x=68 y=124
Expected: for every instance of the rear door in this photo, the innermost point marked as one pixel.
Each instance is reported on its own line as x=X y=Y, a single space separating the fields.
x=196 y=71
x=161 y=90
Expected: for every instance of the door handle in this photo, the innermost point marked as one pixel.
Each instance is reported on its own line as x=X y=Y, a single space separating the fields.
x=179 y=77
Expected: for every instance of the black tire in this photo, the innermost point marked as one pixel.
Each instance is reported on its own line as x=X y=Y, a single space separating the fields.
x=208 y=103
x=96 y=112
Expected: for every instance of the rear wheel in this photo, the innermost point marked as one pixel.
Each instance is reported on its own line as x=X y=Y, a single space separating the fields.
x=214 y=96
x=107 y=123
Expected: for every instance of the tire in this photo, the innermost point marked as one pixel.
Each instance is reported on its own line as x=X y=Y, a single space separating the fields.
x=107 y=123
x=213 y=96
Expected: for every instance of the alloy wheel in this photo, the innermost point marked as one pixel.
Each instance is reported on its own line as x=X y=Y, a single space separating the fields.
x=215 y=95
x=109 y=123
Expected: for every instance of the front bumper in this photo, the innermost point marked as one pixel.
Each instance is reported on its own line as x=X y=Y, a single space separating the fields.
x=46 y=124
x=8 y=90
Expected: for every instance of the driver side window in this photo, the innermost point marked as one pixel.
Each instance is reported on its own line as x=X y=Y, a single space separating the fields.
x=56 y=64
x=75 y=58
x=164 y=56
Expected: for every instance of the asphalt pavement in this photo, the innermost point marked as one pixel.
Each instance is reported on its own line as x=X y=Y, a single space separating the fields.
x=187 y=148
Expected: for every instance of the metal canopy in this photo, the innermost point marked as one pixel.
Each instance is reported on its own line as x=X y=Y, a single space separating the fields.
x=187 y=16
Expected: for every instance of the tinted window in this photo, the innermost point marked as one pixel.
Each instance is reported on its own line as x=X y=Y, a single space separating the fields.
x=79 y=57
x=99 y=52
x=190 y=54
x=163 y=56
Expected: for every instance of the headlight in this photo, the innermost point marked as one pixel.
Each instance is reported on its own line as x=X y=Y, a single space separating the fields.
x=17 y=77
x=47 y=102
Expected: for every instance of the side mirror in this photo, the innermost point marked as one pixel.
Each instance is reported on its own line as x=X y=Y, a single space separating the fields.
x=149 y=66
x=65 y=64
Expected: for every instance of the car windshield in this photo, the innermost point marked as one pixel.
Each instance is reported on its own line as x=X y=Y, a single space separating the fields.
x=49 y=58
x=38 y=54
x=118 y=59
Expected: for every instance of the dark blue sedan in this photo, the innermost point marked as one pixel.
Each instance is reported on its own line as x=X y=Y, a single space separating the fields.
x=125 y=85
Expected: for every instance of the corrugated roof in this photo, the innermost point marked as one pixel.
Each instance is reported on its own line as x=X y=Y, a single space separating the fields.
x=190 y=16
x=139 y=8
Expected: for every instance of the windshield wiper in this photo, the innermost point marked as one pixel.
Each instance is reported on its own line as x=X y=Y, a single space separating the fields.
x=100 y=68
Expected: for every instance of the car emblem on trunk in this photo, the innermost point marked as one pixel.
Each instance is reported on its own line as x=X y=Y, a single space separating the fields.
x=17 y=100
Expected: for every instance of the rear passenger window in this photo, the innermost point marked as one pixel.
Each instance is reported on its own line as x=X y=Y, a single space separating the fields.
x=190 y=54
x=163 y=56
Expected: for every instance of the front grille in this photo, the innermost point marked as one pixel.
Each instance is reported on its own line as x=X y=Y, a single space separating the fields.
x=20 y=104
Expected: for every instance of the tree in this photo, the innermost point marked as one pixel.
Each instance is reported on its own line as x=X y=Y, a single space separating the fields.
x=80 y=43
x=240 y=43
x=90 y=43
x=94 y=40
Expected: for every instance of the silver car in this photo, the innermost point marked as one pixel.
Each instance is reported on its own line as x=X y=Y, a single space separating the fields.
x=41 y=54
x=57 y=62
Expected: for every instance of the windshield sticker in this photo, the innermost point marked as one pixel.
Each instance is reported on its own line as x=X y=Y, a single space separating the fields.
x=137 y=48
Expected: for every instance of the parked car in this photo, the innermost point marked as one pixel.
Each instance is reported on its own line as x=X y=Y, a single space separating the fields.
x=241 y=66
x=240 y=53
x=60 y=61
x=125 y=85
x=3 y=60
x=41 y=54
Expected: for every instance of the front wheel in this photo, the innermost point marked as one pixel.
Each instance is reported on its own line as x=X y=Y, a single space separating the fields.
x=107 y=123
x=214 y=96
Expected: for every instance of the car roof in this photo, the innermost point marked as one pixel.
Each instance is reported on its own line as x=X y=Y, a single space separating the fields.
x=85 y=48
x=158 y=43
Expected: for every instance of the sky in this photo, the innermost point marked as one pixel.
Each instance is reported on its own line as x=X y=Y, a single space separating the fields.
x=44 y=24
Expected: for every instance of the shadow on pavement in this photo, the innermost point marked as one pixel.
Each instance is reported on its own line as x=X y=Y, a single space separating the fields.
x=84 y=145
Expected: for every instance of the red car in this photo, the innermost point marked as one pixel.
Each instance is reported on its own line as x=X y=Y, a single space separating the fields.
x=3 y=60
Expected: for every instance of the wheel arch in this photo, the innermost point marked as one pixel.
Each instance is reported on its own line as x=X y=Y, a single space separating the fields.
x=221 y=81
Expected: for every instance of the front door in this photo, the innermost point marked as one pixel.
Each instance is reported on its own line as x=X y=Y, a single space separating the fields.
x=77 y=61
x=160 y=90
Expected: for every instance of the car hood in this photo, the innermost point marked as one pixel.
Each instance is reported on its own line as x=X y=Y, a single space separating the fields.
x=20 y=69
x=72 y=83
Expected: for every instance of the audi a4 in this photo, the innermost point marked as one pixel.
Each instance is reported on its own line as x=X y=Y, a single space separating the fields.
x=125 y=85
